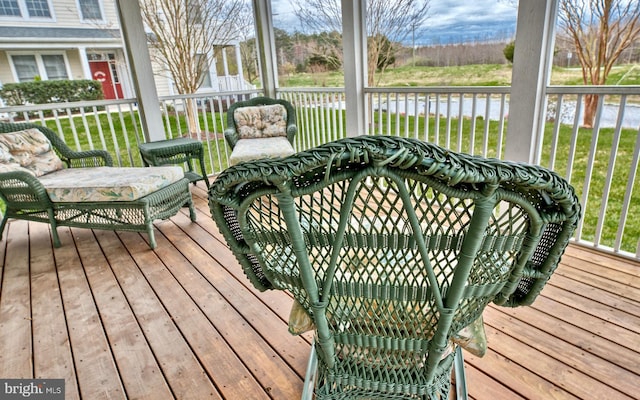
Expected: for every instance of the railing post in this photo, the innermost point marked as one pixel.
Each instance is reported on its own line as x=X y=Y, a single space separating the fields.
x=137 y=51
x=533 y=55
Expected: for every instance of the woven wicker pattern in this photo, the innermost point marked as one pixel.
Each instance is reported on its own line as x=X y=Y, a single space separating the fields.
x=26 y=198
x=392 y=246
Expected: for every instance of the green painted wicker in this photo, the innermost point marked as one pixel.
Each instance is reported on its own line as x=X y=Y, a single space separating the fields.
x=26 y=198
x=230 y=133
x=176 y=151
x=392 y=246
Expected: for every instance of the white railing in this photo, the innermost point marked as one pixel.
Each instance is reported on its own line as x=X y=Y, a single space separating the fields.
x=600 y=162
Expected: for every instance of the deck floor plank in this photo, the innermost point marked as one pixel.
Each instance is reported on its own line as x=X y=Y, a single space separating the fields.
x=96 y=370
x=232 y=378
x=52 y=356
x=605 y=371
x=261 y=310
x=266 y=364
x=126 y=340
x=119 y=321
x=185 y=375
x=15 y=307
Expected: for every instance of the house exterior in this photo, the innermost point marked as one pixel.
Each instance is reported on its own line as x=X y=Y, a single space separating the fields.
x=79 y=39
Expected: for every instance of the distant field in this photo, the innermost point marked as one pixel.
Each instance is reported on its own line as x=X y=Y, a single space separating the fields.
x=468 y=75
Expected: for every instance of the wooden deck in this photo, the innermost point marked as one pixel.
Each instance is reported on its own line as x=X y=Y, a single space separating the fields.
x=117 y=320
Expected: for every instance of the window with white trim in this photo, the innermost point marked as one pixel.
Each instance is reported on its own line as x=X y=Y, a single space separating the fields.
x=10 y=8
x=44 y=66
x=90 y=10
x=54 y=66
x=36 y=9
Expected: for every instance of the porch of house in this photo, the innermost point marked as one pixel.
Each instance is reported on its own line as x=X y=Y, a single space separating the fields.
x=118 y=320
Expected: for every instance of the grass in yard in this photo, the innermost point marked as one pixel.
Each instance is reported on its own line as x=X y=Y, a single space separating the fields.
x=95 y=133
x=474 y=139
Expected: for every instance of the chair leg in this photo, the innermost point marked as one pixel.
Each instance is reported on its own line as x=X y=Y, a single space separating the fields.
x=3 y=223
x=192 y=210
x=54 y=228
x=151 y=235
x=461 y=378
x=310 y=376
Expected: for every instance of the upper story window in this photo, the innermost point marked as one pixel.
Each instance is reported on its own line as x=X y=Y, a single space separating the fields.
x=26 y=8
x=10 y=8
x=44 y=66
x=90 y=9
x=38 y=8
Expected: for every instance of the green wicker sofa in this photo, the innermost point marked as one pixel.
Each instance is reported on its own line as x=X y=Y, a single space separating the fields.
x=42 y=179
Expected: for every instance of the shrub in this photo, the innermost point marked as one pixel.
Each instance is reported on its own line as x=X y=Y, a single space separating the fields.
x=56 y=91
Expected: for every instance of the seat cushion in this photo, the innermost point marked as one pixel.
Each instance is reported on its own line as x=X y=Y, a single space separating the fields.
x=28 y=150
x=96 y=184
x=253 y=149
x=261 y=121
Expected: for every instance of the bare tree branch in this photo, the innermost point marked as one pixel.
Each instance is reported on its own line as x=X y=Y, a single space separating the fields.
x=600 y=31
x=185 y=33
x=386 y=20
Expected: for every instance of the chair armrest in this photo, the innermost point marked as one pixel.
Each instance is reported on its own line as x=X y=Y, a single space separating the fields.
x=19 y=187
x=88 y=158
x=231 y=136
x=292 y=130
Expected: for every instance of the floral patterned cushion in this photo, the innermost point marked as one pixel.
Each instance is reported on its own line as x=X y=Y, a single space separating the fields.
x=28 y=150
x=253 y=149
x=261 y=121
x=108 y=183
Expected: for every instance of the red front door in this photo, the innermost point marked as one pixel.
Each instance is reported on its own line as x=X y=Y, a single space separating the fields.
x=101 y=71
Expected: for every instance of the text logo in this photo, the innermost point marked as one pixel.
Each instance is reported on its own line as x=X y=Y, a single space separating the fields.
x=35 y=389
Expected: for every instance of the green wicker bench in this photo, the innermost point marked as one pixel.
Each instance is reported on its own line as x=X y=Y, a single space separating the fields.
x=42 y=179
x=392 y=248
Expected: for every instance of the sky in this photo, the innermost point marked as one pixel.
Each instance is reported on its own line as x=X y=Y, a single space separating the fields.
x=450 y=21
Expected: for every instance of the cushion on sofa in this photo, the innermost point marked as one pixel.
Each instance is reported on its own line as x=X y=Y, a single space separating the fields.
x=261 y=121
x=253 y=149
x=95 y=184
x=28 y=150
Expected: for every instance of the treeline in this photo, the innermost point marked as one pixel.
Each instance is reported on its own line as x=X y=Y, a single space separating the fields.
x=298 y=52
x=453 y=55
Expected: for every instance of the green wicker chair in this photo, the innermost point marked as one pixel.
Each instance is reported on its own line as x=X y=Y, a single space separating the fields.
x=25 y=197
x=392 y=247
x=261 y=127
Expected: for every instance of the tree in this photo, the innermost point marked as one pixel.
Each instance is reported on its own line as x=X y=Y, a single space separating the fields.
x=600 y=31
x=246 y=35
x=387 y=20
x=184 y=35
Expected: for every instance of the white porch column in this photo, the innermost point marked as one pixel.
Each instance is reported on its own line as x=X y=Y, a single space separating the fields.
x=135 y=41
x=354 y=45
x=86 y=70
x=239 y=64
x=532 y=59
x=225 y=62
x=266 y=45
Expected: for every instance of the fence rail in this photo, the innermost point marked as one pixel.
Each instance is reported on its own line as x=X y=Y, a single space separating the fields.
x=601 y=161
